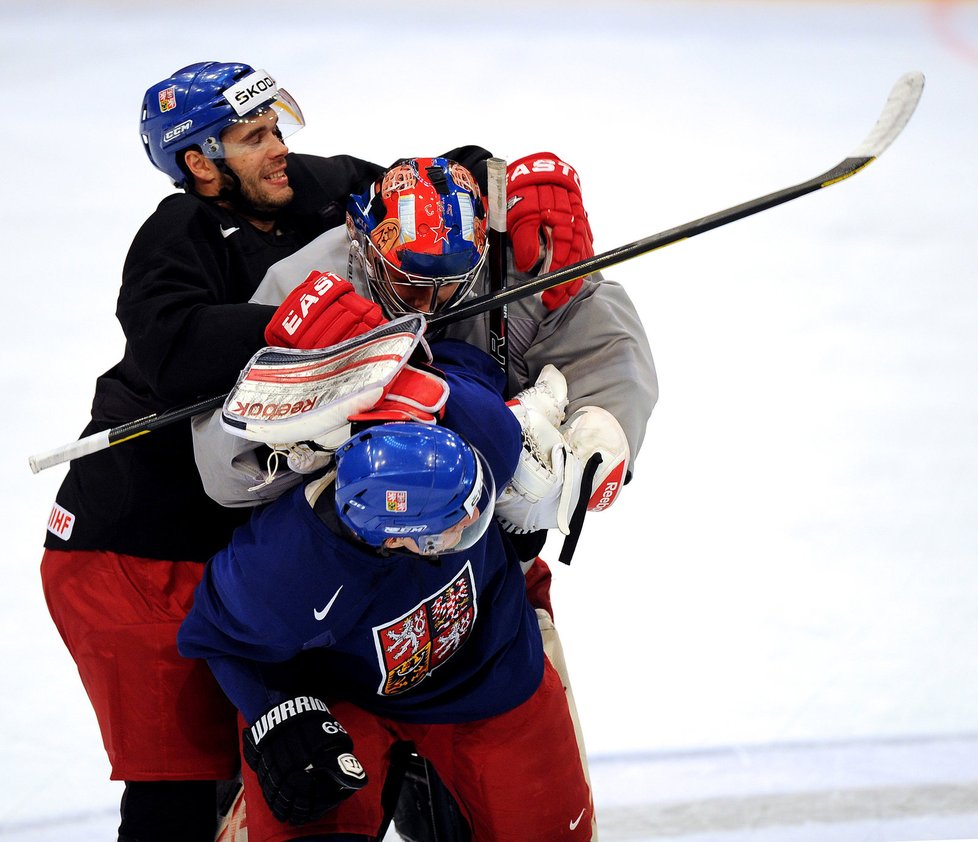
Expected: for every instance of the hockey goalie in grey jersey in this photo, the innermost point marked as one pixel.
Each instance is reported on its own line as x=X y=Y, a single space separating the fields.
x=595 y=338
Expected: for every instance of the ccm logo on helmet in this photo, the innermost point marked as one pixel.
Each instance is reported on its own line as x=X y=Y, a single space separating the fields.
x=251 y=92
x=176 y=131
x=405 y=530
x=293 y=321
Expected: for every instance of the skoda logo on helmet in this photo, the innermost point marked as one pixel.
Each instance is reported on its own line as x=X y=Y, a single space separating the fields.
x=250 y=92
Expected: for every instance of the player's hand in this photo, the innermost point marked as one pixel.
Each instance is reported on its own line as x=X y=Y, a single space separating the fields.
x=303 y=758
x=321 y=311
x=546 y=220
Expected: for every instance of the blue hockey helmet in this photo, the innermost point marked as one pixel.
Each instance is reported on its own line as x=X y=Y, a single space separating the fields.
x=413 y=480
x=196 y=104
x=420 y=229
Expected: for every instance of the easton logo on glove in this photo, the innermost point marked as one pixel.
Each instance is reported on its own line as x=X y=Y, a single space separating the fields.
x=321 y=311
x=532 y=164
x=317 y=285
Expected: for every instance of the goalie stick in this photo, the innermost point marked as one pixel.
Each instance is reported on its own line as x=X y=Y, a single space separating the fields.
x=897 y=110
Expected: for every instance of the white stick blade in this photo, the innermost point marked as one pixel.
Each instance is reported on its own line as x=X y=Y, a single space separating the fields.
x=896 y=112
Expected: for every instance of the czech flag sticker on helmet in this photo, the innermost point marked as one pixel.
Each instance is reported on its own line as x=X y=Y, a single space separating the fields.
x=168 y=99
x=397 y=501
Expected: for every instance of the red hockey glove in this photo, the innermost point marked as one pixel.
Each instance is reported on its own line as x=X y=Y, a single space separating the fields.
x=417 y=393
x=547 y=221
x=321 y=311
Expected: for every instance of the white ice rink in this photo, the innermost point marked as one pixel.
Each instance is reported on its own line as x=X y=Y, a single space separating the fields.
x=774 y=635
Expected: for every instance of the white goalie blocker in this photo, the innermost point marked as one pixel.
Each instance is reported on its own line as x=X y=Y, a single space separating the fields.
x=580 y=464
x=285 y=396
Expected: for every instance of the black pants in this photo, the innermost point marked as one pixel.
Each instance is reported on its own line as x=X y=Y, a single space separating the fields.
x=162 y=811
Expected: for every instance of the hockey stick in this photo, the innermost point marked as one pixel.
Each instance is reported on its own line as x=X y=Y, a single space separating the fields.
x=896 y=112
x=116 y=435
x=498 y=346
x=898 y=109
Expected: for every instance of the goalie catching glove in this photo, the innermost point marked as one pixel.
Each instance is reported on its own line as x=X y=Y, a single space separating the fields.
x=548 y=484
x=303 y=759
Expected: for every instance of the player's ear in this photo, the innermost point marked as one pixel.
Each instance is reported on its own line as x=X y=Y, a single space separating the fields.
x=204 y=171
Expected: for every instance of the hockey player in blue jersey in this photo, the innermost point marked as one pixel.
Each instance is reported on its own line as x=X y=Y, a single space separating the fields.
x=379 y=602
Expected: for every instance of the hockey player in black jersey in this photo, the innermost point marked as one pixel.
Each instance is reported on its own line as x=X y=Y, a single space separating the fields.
x=133 y=523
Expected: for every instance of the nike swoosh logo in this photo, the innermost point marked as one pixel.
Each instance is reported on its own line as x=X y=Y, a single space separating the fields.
x=227 y=232
x=573 y=825
x=321 y=615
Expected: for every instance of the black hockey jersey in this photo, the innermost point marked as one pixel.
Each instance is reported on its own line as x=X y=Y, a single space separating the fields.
x=189 y=329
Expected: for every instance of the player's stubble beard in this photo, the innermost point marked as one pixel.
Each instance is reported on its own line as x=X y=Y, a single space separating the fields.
x=262 y=198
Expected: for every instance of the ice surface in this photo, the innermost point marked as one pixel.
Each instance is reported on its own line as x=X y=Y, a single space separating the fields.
x=782 y=605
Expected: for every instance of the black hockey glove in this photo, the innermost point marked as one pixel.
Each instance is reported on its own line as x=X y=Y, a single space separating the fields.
x=303 y=759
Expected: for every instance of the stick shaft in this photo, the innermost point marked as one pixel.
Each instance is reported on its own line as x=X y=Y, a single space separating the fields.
x=898 y=109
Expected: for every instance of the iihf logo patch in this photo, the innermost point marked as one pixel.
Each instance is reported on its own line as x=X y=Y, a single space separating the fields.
x=61 y=522
x=168 y=99
x=397 y=501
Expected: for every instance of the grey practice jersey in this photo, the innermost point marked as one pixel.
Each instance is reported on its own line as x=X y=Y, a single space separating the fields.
x=596 y=340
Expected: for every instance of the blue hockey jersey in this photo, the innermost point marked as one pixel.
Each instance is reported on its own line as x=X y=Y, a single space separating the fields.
x=291 y=606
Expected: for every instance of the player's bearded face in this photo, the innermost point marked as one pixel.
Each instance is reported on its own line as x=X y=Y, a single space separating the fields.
x=256 y=153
